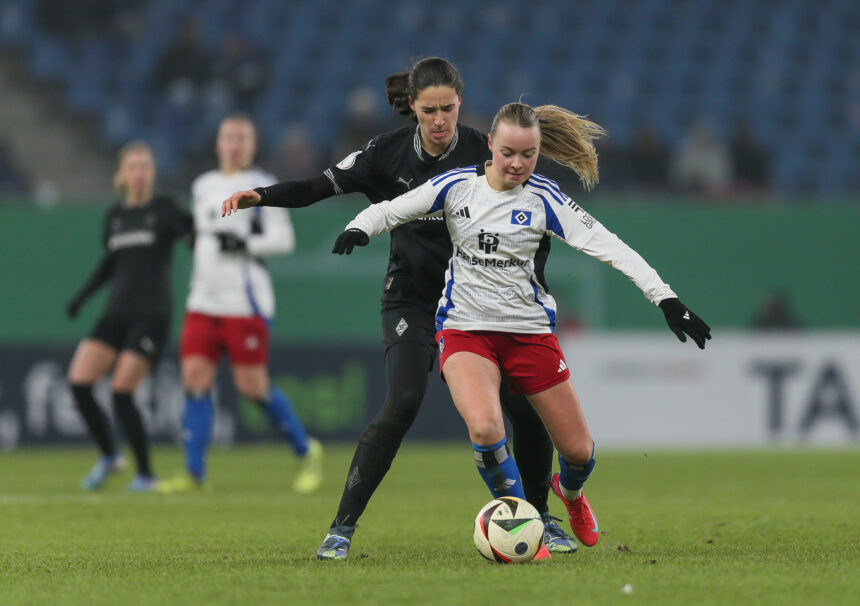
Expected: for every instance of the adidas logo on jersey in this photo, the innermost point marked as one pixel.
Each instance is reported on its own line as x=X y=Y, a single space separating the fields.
x=463 y=212
x=561 y=366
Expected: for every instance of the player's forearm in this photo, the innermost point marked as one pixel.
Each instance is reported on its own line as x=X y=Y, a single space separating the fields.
x=296 y=194
x=100 y=276
x=609 y=248
x=385 y=216
x=273 y=242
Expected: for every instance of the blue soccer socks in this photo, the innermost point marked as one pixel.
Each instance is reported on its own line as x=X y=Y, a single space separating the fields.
x=498 y=469
x=282 y=415
x=573 y=476
x=197 y=422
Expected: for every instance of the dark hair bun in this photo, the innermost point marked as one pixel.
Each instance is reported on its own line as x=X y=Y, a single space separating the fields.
x=397 y=92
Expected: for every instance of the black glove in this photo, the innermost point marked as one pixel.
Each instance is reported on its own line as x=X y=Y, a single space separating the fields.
x=230 y=242
x=682 y=320
x=73 y=308
x=349 y=240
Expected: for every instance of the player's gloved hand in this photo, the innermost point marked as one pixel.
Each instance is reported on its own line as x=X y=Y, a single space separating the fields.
x=682 y=320
x=73 y=308
x=349 y=240
x=230 y=242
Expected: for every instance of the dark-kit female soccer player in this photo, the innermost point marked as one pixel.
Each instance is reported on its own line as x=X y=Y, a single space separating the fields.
x=138 y=237
x=494 y=315
x=389 y=165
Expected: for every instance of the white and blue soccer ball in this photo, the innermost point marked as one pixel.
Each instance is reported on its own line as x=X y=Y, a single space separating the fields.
x=508 y=530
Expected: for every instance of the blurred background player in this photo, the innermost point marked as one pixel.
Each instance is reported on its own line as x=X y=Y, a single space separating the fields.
x=138 y=236
x=230 y=306
x=389 y=165
x=493 y=314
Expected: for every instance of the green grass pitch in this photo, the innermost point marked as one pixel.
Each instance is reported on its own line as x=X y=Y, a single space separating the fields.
x=752 y=527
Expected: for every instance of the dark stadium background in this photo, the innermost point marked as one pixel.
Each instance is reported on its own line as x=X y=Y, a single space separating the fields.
x=731 y=165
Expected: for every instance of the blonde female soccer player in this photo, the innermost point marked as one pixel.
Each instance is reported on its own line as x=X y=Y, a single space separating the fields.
x=139 y=232
x=494 y=316
x=390 y=164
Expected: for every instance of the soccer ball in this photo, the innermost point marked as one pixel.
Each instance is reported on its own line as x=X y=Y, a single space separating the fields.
x=508 y=530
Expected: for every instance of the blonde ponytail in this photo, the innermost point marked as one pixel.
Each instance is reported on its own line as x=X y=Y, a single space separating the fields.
x=566 y=137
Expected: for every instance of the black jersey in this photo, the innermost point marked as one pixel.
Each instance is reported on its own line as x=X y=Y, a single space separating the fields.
x=389 y=165
x=392 y=164
x=138 y=243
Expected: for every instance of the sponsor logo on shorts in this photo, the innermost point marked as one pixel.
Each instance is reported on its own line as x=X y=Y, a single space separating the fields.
x=561 y=366
x=441 y=345
x=252 y=342
x=401 y=327
x=147 y=345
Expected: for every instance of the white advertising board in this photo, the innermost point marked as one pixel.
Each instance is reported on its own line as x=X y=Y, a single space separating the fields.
x=744 y=389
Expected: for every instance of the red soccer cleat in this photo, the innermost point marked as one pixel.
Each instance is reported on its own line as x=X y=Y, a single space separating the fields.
x=543 y=553
x=582 y=519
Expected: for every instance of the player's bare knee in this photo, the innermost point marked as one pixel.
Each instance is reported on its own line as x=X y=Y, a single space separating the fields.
x=196 y=378
x=252 y=390
x=486 y=431
x=577 y=452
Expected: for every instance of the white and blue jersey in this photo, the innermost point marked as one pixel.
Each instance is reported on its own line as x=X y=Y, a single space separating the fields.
x=235 y=283
x=490 y=283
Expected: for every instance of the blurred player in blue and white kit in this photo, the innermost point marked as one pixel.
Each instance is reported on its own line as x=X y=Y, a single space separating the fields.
x=230 y=306
x=494 y=315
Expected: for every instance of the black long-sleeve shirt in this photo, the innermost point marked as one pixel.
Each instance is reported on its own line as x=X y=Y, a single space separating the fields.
x=388 y=166
x=138 y=247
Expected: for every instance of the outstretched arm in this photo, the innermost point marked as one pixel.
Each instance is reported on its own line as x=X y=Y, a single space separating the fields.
x=355 y=173
x=423 y=201
x=582 y=231
x=99 y=277
x=287 y=194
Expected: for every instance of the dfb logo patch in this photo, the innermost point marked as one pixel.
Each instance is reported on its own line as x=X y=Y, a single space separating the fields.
x=521 y=217
x=488 y=242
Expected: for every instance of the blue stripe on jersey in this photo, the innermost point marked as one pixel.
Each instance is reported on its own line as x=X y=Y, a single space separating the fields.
x=439 y=202
x=558 y=197
x=255 y=308
x=454 y=171
x=548 y=182
x=552 y=222
x=549 y=312
x=442 y=312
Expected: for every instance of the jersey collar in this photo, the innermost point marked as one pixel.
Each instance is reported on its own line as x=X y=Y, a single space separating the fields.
x=424 y=157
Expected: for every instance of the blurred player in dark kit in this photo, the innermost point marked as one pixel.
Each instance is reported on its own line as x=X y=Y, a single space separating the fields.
x=138 y=237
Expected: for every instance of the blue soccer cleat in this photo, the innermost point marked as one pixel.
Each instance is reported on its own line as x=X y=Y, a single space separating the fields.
x=143 y=484
x=556 y=540
x=336 y=544
x=99 y=473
